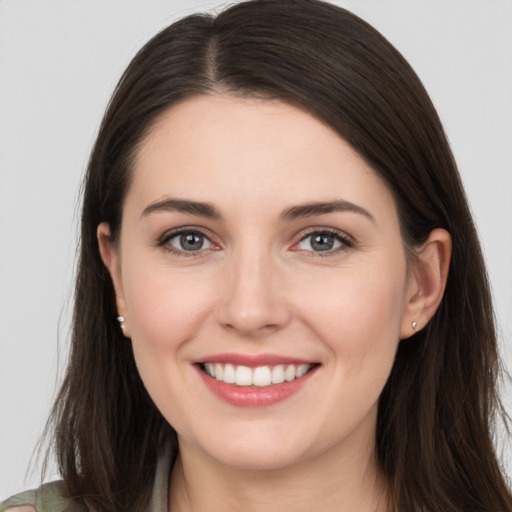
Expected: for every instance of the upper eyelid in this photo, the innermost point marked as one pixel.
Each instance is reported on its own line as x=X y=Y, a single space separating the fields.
x=167 y=235
x=331 y=231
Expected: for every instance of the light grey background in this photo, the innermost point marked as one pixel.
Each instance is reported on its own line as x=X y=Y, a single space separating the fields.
x=59 y=61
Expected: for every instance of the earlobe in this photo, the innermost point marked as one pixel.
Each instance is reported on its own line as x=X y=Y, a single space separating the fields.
x=110 y=258
x=427 y=281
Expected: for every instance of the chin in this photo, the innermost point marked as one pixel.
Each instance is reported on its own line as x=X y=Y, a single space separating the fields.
x=261 y=457
x=258 y=448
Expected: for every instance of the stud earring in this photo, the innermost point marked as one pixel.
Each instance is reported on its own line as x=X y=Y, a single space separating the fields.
x=414 y=324
x=121 y=320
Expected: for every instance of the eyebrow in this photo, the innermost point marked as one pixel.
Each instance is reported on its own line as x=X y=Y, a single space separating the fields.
x=295 y=212
x=312 y=209
x=182 y=205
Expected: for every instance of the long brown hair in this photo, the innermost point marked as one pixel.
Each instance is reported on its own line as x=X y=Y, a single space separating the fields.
x=438 y=408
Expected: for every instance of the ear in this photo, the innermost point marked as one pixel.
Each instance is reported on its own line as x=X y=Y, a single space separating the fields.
x=426 y=282
x=110 y=256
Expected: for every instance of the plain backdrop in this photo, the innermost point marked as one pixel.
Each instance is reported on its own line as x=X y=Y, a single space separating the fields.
x=59 y=62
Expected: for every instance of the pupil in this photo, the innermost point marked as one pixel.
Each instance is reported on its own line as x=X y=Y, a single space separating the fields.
x=191 y=242
x=322 y=242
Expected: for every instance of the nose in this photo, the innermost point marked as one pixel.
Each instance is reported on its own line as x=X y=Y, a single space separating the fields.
x=253 y=302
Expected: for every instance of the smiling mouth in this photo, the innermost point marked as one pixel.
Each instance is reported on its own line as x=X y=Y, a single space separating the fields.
x=259 y=376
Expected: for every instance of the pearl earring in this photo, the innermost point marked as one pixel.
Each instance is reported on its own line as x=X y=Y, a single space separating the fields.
x=414 y=324
x=121 y=320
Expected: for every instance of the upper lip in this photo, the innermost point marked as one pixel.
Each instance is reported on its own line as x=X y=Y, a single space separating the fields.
x=253 y=361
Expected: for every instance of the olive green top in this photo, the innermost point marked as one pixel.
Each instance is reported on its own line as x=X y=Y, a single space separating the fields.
x=49 y=497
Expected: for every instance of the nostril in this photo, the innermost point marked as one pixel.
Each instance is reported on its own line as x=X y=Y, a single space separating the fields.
x=261 y=319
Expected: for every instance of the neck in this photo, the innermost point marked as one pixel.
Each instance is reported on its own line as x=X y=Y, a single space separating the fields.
x=341 y=479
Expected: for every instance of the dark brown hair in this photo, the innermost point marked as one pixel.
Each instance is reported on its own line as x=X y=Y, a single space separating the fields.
x=437 y=411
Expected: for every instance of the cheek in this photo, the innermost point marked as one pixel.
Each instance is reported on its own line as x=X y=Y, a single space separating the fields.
x=357 y=317
x=166 y=310
x=358 y=311
x=164 y=307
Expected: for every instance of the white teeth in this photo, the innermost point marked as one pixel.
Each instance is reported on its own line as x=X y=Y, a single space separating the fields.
x=302 y=370
x=218 y=371
x=243 y=376
x=289 y=373
x=261 y=376
x=278 y=374
x=229 y=374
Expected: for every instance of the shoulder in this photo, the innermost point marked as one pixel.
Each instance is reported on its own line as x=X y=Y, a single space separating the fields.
x=24 y=502
x=47 y=498
x=21 y=508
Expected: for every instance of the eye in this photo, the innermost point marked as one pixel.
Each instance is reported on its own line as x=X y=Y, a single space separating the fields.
x=324 y=241
x=186 y=242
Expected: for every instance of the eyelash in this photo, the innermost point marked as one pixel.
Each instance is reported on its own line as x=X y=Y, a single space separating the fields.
x=167 y=237
x=345 y=241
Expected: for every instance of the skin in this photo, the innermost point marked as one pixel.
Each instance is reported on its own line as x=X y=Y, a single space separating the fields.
x=259 y=286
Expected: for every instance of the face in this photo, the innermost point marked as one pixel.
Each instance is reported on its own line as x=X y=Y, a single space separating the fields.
x=263 y=279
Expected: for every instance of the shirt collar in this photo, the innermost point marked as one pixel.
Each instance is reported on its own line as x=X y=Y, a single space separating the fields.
x=160 y=494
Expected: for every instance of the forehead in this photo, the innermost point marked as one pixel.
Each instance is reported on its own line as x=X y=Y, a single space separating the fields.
x=244 y=151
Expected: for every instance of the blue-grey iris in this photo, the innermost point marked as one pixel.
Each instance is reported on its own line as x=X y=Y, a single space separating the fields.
x=191 y=242
x=322 y=242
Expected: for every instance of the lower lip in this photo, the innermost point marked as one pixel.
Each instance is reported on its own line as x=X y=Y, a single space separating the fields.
x=253 y=396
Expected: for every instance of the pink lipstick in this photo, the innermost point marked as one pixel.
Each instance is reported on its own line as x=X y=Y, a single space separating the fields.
x=254 y=381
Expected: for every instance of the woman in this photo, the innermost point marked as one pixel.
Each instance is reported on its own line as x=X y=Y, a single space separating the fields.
x=281 y=301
